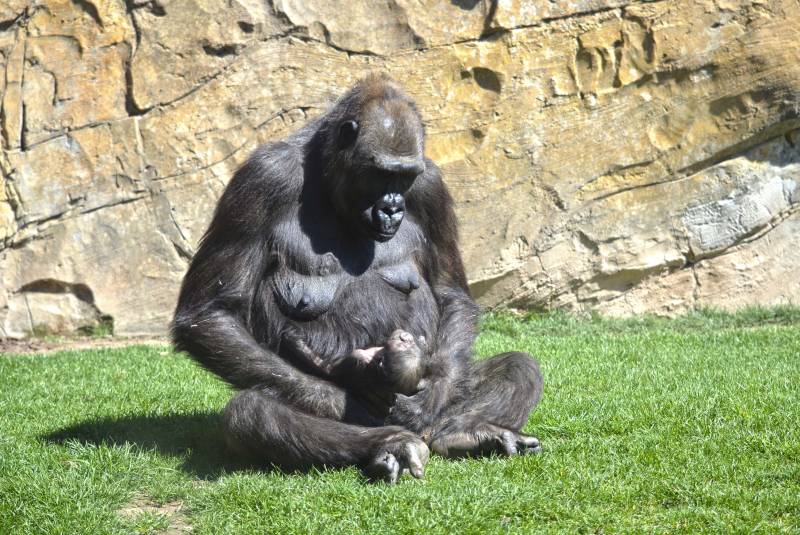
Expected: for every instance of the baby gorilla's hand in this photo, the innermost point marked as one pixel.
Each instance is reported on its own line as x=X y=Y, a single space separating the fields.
x=402 y=363
x=358 y=366
x=367 y=355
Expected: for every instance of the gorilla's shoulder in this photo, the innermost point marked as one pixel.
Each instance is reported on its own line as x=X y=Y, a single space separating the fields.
x=276 y=162
x=262 y=187
x=432 y=171
x=429 y=188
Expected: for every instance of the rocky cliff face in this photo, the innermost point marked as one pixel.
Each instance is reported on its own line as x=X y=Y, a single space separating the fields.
x=624 y=156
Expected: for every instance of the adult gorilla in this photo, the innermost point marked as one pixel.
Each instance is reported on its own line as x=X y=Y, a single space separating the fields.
x=330 y=253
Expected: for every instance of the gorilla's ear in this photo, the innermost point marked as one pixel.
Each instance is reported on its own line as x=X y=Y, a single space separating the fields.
x=348 y=132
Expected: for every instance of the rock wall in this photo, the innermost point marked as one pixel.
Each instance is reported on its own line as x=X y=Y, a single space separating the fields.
x=625 y=156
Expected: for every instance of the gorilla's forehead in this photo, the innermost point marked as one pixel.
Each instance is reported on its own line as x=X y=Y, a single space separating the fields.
x=393 y=125
x=388 y=124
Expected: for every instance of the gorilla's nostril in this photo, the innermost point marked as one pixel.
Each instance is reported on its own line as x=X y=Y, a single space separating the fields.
x=391 y=204
x=391 y=210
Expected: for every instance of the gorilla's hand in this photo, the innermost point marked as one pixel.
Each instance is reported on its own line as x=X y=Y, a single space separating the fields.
x=406 y=410
x=398 y=453
x=418 y=412
x=410 y=412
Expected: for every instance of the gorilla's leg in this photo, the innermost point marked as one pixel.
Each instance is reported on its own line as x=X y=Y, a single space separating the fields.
x=264 y=428
x=493 y=403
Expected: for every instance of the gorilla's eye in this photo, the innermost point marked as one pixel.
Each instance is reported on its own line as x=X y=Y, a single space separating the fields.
x=348 y=131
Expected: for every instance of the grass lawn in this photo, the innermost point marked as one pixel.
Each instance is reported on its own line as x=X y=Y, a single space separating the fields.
x=648 y=425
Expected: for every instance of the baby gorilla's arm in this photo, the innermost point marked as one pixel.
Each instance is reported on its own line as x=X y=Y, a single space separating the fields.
x=352 y=366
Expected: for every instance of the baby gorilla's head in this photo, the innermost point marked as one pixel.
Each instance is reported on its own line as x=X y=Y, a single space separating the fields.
x=402 y=363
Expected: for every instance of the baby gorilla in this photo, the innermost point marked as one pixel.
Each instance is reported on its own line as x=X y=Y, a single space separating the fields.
x=398 y=363
x=397 y=367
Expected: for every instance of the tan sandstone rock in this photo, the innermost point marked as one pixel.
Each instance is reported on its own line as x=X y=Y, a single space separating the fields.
x=625 y=156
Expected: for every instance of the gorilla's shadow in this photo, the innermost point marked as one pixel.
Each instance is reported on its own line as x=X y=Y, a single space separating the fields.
x=195 y=437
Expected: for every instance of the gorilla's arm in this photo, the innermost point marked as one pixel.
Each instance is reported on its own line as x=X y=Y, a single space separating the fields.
x=432 y=205
x=212 y=321
x=211 y=324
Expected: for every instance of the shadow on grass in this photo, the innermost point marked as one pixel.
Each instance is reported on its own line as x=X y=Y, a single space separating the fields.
x=195 y=437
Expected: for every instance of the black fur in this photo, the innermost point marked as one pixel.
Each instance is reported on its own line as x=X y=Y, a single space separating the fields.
x=322 y=245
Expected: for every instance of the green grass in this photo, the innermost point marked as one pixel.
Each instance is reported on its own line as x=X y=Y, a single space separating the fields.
x=648 y=425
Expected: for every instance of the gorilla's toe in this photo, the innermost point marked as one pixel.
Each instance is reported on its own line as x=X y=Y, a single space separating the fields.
x=384 y=467
x=528 y=445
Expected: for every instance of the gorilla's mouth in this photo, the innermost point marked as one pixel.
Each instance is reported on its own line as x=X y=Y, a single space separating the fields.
x=387 y=214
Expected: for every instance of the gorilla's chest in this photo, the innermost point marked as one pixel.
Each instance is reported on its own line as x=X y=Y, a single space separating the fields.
x=347 y=280
x=306 y=297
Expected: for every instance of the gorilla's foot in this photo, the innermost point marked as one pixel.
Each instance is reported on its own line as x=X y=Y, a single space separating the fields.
x=395 y=455
x=510 y=443
x=484 y=440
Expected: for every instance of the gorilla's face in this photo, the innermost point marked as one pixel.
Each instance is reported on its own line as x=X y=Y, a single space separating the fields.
x=381 y=209
x=383 y=155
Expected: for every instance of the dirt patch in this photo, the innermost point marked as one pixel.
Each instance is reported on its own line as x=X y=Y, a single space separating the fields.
x=31 y=346
x=172 y=511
